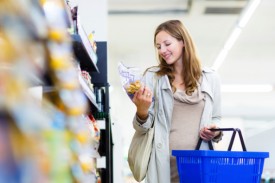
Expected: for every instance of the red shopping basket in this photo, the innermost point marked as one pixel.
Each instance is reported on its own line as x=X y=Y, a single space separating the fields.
x=208 y=166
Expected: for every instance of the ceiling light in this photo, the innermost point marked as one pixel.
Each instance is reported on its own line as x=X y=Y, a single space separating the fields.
x=244 y=18
x=229 y=43
x=246 y=15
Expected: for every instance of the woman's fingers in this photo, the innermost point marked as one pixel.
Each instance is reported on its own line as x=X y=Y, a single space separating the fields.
x=144 y=92
x=139 y=92
x=143 y=98
x=207 y=134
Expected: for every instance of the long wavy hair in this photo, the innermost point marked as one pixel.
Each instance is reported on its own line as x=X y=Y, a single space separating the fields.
x=191 y=64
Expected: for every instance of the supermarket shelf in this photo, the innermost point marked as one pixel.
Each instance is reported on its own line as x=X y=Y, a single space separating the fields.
x=84 y=51
x=88 y=92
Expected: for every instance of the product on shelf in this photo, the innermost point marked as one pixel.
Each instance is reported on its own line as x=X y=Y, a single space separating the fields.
x=91 y=37
x=87 y=78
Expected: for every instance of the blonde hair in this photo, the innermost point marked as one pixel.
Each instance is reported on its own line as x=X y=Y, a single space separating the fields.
x=191 y=64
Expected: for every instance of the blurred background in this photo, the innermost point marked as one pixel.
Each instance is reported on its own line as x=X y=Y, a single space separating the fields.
x=236 y=37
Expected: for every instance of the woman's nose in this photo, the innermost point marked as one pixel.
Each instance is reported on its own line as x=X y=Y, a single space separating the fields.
x=162 y=50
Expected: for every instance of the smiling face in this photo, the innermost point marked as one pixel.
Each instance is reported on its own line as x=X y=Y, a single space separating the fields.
x=169 y=48
x=177 y=54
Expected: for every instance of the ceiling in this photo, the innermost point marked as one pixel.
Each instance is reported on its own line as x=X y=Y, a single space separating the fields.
x=250 y=61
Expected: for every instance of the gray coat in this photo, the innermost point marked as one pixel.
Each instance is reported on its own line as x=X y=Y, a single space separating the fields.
x=159 y=165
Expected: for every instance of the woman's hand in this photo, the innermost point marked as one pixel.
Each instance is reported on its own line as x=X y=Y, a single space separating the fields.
x=143 y=99
x=207 y=134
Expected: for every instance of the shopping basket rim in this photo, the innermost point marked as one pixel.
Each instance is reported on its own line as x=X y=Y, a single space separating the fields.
x=215 y=153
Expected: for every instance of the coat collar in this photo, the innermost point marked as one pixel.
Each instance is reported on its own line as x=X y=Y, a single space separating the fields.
x=205 y=85
x=164 y=82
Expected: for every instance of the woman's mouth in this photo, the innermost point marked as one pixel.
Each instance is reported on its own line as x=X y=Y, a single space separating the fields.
x=166 y=57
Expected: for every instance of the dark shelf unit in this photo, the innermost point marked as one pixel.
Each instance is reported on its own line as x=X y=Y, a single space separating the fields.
x=84 y=51
x=100 y=81
x=87 y=59
x=100 y=107
x=84 y=54
x=89 y=94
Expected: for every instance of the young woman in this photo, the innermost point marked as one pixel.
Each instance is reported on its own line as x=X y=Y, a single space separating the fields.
x=188 y=101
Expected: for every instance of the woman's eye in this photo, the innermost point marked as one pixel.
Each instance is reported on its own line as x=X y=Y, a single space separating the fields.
x=168 y=44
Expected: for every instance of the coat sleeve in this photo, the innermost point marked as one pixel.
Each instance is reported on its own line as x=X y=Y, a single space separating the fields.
x=148 y=80
x=216 y=88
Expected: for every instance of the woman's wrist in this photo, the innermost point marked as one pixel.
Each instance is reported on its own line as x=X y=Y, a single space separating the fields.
x=142 y=116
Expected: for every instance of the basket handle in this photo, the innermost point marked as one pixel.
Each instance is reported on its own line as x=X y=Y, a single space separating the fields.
x=235 y=130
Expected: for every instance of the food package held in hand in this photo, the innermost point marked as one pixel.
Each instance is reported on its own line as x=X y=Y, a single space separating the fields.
x=131 y=79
